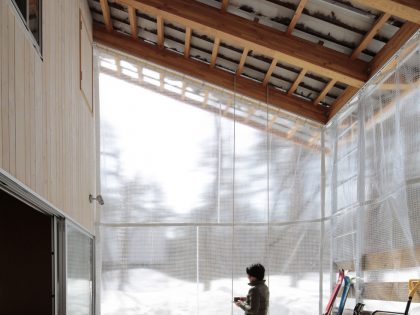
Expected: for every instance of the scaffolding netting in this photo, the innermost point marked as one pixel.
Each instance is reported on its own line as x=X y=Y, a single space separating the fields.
x=200 y=182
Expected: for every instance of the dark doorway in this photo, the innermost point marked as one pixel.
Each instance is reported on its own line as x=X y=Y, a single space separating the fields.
x=26 y=259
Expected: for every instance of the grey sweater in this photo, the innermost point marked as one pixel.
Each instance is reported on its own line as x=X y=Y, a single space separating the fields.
x=257 y=299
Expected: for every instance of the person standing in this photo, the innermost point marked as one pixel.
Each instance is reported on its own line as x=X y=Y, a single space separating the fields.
x=257 y=300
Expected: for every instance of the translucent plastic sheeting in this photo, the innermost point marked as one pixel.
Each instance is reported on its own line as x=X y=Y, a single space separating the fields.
x=374 y=184
x=199 y=183
x=79 y=272
x=196 y=193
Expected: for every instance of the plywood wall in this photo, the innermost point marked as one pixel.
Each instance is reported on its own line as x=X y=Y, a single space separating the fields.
x=46 y=128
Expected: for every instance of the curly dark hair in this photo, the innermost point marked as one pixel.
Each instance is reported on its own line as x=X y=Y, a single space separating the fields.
x=256 y=270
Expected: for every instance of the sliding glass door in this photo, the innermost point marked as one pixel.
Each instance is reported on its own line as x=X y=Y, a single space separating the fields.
x=80 y=276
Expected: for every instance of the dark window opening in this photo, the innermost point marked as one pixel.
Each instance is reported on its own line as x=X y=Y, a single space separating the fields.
x=26 y=264
x=30 y=12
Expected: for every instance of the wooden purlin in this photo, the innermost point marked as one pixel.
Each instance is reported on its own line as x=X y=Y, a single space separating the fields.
x=215 y=51
x=270 y=70
x=160 y=31
x=342 y=100
x=187 y=44
x=296 y=16
x=369 y=35
x=406 y=9
x=106 y=14
x=258 y=38
x=297 y=81
x=132 y=16
x=324 y=92
x=393 y=45
x=242 y=61
x=225 y=4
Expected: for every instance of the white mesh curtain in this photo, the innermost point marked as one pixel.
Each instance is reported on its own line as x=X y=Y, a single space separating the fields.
x=373 y=185
x=196 y=190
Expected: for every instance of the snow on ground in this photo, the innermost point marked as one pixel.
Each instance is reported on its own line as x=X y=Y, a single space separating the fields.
x=79 y=296
x=154 y=293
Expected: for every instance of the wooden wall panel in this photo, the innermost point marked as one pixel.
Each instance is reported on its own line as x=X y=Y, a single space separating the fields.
x=46 y=130
x=86 y=64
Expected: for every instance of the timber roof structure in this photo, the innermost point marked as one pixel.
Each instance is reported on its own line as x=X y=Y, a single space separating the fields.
x=310 y=56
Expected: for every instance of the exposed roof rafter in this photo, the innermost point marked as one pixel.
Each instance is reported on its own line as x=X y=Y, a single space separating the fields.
x=133 y=21
x=215 y=51
x=187 y=44
x=296 y=83
x=160 y=31
x=270 y=72
x=296 y=16
x=324 y=92
x=107 y=14
x=369 y=35
x=394 y=44
x=242 y=61
x=342 y=100
x=257 y=37
x=225 y=4
x=407 y=9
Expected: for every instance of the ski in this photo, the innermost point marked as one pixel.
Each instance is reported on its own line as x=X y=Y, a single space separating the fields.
x=346 y=290
x=334 y=293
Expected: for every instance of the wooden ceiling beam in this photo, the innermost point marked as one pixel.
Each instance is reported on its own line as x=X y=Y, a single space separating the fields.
x=215 y=51
x=187 y=42
x=296 y=16
x=324 y=92
x=369 y=35
x=106 y=14
x=393 y=45
x=242 y=61
x=257 y=37
x=342 y=100
x=406 y=9
x=225 y=4
x=296 y=82
x=160 y=31
x=200 y=70
x=132 y=16
x=270 y=72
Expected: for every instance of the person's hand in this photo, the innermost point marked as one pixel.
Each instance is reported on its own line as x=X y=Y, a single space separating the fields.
x=238 y=303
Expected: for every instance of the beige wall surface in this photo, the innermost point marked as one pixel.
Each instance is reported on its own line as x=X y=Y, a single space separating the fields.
x=46 y=127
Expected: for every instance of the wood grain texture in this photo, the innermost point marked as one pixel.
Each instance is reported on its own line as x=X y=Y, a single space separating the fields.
x=46 y=136
x=106 y=14
x=342 y=100
x=242 y=61
x=257 y=37
x=296 y=16
x=393 y=45
x=132 y=16
x=407 y=9
x=160 y=31
x=369 y=35
x=270 y=70
x=325 y=91
x=297 y=81
x=225 y=4
x=215 y=51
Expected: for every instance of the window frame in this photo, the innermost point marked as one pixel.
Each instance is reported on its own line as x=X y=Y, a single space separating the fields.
x=36 y=43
